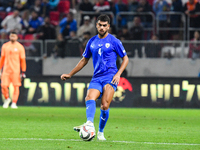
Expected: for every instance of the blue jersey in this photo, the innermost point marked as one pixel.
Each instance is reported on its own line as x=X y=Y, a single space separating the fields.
x=104 y=53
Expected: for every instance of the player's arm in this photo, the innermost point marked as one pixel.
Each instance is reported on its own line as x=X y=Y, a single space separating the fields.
x=76 y=69
x=2 y=59
x=116 y=77
x=23 y=62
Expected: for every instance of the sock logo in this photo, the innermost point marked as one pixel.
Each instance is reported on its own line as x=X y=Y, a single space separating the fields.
x=103 y=119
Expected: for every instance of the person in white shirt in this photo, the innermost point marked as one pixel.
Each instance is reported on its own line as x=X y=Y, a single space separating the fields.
x=86 y=27
x=11 y=23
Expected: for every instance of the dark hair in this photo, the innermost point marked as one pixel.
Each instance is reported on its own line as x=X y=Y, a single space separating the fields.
x=13 y=32
x=103 y=18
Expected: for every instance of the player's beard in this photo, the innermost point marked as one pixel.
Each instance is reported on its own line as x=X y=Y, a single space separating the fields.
x=102 y=35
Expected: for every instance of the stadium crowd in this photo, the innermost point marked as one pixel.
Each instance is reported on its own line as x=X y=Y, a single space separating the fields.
x=58 y=19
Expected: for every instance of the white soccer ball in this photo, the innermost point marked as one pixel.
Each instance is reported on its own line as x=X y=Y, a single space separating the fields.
x=87 y=133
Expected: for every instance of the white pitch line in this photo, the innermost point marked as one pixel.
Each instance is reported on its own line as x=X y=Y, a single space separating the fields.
x=76 y=140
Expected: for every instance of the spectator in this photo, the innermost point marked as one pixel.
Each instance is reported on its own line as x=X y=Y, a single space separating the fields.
x=24 y=21
x=136 y=32
x=11 y=23
x=120 y=7
x=153 y=49
x=124 y=35
x=68 y=24
x=86 y=27
x=36 y=7
x=189 y=10
x=85 y=5
x=146 y=20
x=53 y=4
x=47 y=31
x=34 y=23
x=20 y=5
x=175 y=20
x=102 y=6
x=194 y=47
x=160 y=6
x=7 y=5
x=59 y=49
x=133 y=5
x=45 y=9
x=85 y=39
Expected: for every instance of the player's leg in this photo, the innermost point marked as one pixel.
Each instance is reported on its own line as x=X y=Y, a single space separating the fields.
x=108 y=92
x=15 y=97
x=16 y=81
x=5 y=82
x=92 y=95
x=5 y=92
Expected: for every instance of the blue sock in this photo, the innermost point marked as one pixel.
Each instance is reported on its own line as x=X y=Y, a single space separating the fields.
x=90 y=110
x=103 y=119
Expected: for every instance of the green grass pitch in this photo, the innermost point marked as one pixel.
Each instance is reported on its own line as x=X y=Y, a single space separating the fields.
x=51 y=128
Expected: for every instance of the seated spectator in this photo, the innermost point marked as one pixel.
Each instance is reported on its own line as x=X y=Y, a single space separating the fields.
x=189 y=9
x=11 y=23
x=153 y=49
x=124 y=34
x=194 y=47
x=133 y=5
x=137 y=29
x=68 y=24
x=7 y=5
x=85 y=5
x=47 y=31
x=136 y=33
x=20 y=5
x=102 y=6
x=85 y=39
x=86 y=27
x=175 y=20
x=36 y=7
x=160 y=6
x=146 y=20
x=24 y=21
x=34 y=23
x=45 y=9
x=53 y=4
x=59 y=49
x=120 y=7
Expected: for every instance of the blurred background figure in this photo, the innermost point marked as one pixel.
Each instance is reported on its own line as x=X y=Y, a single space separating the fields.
x=85 y=5
x=68 y=24
x=124 y=34
x=86 y=27
x=46 y=31
x=153 y=49
x=11 y=23
x=194 y=51
x=160 y=6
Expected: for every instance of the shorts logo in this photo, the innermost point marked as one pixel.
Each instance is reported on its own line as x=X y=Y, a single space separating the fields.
x=15 y=49
x=107 y=45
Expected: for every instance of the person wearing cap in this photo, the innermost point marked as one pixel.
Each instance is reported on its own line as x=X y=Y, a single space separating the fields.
x=86 y=27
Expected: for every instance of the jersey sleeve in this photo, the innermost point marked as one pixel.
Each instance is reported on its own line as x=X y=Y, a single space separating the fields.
x=87 y=53
x=22 y=53
x=119 y=48
x=3 y=50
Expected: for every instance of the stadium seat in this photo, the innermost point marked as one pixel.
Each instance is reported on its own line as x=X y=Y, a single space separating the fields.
x=63 y=7
x=54 y=17
x=2 y=14
x=28 y=37
x=20 y=37
x=168 y=50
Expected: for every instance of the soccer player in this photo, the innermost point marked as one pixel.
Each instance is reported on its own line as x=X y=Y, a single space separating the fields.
x=104 y=49
x=12 y=58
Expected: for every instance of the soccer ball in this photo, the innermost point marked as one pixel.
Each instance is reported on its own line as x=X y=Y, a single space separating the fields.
x=87 y=133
